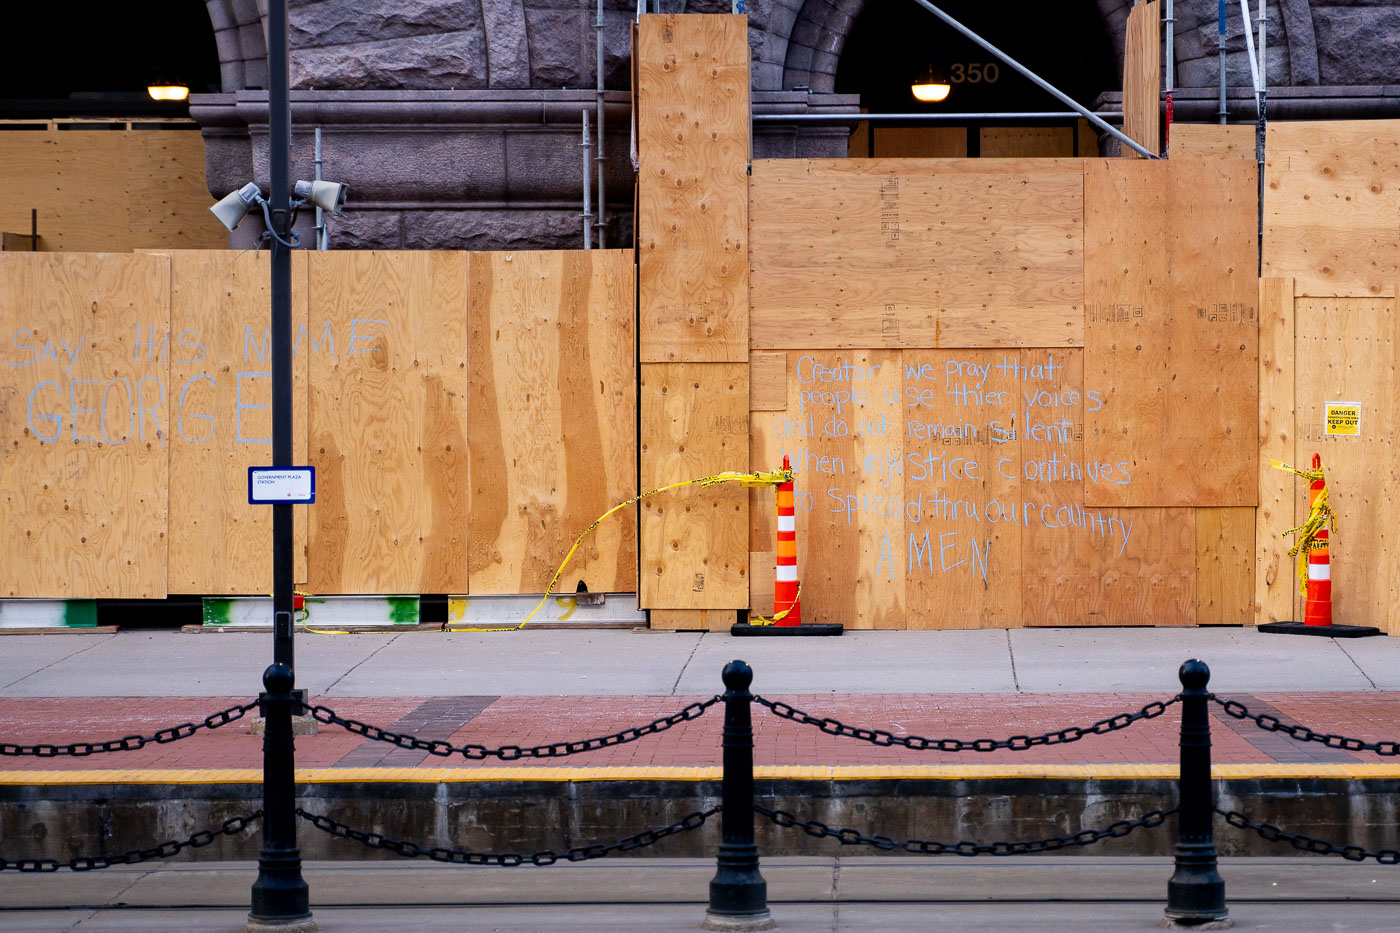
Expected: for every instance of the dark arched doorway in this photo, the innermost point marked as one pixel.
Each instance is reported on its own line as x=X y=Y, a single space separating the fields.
x=892 y=45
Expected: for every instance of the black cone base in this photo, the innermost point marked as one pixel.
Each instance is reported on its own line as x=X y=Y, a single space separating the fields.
x=1325 y=631
x=807 y=628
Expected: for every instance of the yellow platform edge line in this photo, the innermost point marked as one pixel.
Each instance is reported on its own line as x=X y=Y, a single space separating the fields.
x=945 y=772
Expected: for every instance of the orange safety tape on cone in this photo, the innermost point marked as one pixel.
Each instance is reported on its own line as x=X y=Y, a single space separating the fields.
x=1317 y=607
x=785 y=585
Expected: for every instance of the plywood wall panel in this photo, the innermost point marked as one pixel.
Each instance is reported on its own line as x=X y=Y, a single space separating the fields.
x=1330 y=203
x=108 y=190
x=917 y=166
x=963 y=472
x=84 y=424
x=1212 y=141
x=1142 y=78
x=692 y=223
x=768 y=381
x=220 y=387
x=1347 y=352
x=850 y=521
x=388 y=427
x=694 y=540
x=553 y=419
x=843 y=260
x=1021 y=142
x=1172 y=333
x=1225 y=566
x=918 y=142
x=1274 y=587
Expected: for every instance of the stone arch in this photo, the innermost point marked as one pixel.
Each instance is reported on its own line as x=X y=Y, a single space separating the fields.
x=240 y=34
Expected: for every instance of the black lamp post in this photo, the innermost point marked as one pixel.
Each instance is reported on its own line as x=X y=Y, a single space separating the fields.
x=281 y=900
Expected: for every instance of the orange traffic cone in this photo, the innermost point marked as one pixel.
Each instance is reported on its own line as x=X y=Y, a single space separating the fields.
x=785 y=585
x=1317 y=607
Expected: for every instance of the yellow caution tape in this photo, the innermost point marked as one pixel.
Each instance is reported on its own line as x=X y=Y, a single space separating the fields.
x=1320 y=517
x=730 y=476
x=764 y=620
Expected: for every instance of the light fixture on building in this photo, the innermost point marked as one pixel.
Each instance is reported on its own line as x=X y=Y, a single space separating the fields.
x=931 y=87
x=168 y=92
x=233 y=207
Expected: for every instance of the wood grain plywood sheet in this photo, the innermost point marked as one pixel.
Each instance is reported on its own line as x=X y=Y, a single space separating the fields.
x=767 y=381
x=694 y=540
x=1171 y=333
x=843 y=440
x=388 y=425
x=914 y=166
x=962 y=475
x=1142 y=78
x=553 y=414
x=919 y=142
x=1346 y=353
x=692 y=212
x=847 y=260
x=77 y=182
x=765 y=448
x=220 y=357
x=1211 y=141
x=84 y=424
x=1274 y=587
x=1022 y=142
x=167 y=194
x=1225 y=566
x=1330 y=206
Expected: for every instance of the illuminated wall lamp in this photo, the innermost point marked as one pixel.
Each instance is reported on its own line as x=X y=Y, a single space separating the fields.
x=930 y=91
x=168 y=92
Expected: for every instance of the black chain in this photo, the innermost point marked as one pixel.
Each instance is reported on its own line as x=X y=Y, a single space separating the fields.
x=1017 y=743
x=511 y=752
x=165 y=850
x=131 y=742
x=1308 y=843
x=851 y=837
x=505 y=859
x=1303 y=733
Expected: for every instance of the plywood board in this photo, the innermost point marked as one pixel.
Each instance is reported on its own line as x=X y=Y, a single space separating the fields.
x=692 y=223
x=884 y=167
x=848 y=260
x=1171 y=333
x=108 y=190
x=1019 y=142
x=1225 y=566
x=919 y=142
x=840 y=438
x=962 y=477
x=1211 y=141
x=553 y=413
x=1347 y=352
x=1330 y=203
x=84 y=424
x=388 y=426
x=767 y=381
x=167 y=193
x=1274 y=585
x=219 y=350
x=1142 y=78
x=694 y=540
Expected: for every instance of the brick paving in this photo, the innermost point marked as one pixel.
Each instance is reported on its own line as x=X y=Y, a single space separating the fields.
x=525 y=721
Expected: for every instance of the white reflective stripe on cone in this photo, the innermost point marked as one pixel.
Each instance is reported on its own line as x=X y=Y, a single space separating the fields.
x=1319 y=571
x=787 y=522
x=786 y=574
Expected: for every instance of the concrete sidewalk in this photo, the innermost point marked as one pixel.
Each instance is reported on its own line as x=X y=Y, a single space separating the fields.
x=806 y=895
x=622 y=663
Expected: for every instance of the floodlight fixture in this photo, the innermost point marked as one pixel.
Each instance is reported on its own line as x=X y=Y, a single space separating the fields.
x=234 y=206
x=327 y=195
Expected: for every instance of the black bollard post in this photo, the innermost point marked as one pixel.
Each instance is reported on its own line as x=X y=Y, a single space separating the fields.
x=738 y=893
x=1196 y=892
x=281 y=900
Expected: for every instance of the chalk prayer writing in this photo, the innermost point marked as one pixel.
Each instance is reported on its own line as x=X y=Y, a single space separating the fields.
x=960 y=445
x=130 y=404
